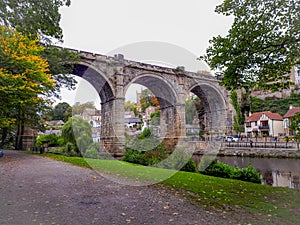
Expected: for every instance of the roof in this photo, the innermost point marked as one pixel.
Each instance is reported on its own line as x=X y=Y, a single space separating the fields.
x=292 y=112
x=55 y=122
x=255 y=116
x=133 y=120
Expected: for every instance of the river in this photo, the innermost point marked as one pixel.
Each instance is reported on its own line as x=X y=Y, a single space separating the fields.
x=274 y=171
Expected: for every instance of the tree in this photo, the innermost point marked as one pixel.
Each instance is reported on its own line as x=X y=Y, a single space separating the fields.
x=78 y=108
x=194 y=109
x=62 y=111
x=295 y=124
x=190 y=110
x=261 y=46
x=33 y=17
x=275 y=105
x=24 y=81
x=78 y=132
x=147 y=99
x=238 y=120
x=42 y=18
x=130 y=106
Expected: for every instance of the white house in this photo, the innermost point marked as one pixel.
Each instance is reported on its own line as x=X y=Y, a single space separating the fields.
x=264 y=123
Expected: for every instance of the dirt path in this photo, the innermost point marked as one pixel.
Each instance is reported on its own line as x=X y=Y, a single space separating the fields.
x=36 y=190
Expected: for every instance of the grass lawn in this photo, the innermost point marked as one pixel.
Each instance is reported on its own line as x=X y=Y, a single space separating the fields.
x=270 y=205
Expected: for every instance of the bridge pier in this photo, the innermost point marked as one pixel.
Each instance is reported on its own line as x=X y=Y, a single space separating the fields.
x=172 y=125
x=112 y=128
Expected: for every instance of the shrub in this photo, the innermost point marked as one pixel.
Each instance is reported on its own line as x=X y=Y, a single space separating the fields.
x=92 y=151
x=218 y=169
x=69 y=150
x=132 y=156
x=246 y=174
x=145 y=134
x=146 y=158
x=157 y=157
x=50 y=139
x=61 y=141
x=179 y=160
x=190 y=166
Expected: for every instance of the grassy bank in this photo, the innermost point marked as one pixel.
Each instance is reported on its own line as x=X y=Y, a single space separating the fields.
x=270 y=205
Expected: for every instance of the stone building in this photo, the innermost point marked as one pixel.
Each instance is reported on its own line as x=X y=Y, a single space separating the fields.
x=286 y=119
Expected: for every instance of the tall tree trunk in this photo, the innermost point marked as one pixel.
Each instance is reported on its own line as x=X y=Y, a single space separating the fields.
x=3 y=136
x=20 y=131
x=18 y=145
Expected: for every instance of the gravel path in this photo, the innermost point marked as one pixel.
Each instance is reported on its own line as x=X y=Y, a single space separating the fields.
x=37 y=190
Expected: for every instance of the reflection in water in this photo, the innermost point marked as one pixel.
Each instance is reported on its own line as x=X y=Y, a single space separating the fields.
x=275 y=172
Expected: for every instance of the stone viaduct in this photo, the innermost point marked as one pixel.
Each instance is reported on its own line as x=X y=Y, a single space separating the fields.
x=112 y=76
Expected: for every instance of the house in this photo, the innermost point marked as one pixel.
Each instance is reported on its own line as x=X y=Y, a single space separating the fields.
x=55 y=123
x=264 y=123
x=286 y=119
x=57 y=132
x=149 y=111
x=129 y=114
x=132 y=122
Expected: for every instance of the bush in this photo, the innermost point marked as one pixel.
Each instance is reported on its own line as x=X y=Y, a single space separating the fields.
x=246 y=174
x=146 y=158
x=69 y=150
x=132 y=156
x=92 y=151
x=219 y=169
x=157 y=156
x=145 y=134
x=190 y=166
x=50 y=139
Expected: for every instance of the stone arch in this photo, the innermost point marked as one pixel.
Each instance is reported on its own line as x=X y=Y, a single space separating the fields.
x=171 y=121
x=111 y=118
x=161 y=88
x=214 y=116
x=97 y=79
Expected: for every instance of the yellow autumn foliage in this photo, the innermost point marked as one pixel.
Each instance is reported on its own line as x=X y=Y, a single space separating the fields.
x=24 y=74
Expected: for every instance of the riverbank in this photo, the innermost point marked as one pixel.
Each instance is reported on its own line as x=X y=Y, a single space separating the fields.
x=254 y=152
x=260 y=152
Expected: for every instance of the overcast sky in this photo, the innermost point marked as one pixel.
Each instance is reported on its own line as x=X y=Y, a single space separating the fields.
x=147 y=31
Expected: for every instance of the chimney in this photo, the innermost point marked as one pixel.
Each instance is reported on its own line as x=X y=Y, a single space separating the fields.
x=119 y=57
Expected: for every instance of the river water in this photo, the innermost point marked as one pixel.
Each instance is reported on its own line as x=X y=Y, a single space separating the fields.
x=275 y=172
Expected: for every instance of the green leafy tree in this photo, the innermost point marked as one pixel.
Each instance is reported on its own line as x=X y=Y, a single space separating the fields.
x=275 y=105
x=261 y=46
x=78 y=108
x=130 y=106
x=62 y=111
x=78 y=132
x=238 y=123
x=147 y=99
x=295 y=124
x=191 y=105
x=33 y=17
x=155 y=118
x=194 y=108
